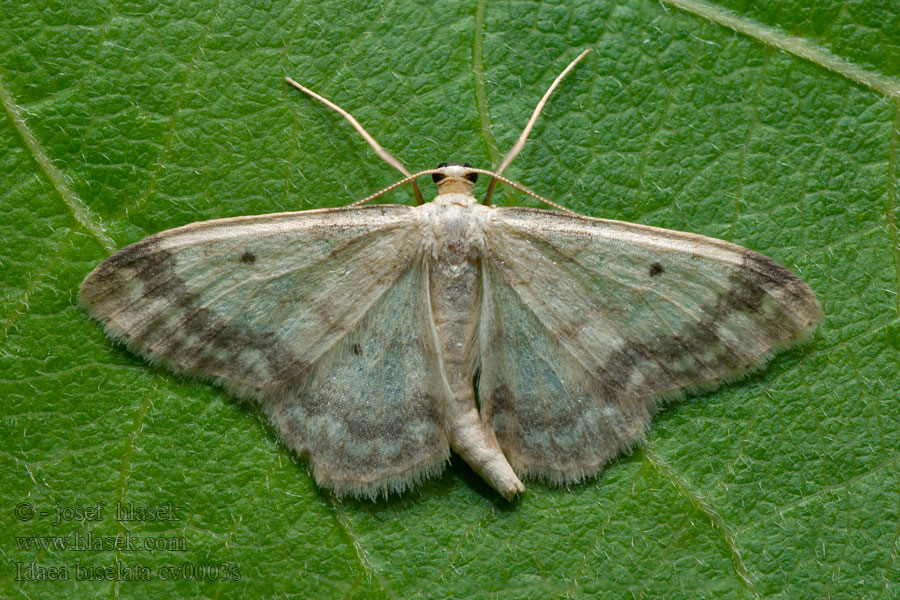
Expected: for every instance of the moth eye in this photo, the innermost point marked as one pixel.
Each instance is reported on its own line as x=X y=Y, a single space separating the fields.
x=438 y=176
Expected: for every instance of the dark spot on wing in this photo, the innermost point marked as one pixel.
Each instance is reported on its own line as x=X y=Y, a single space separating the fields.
x=314 y=402
x=503 y=417
x=656 y=269
x=502 y=402
x=412 y=428
x=196 y=337
x=357 y=349
x=156 y=270
x=129 y=255
x=361 y=427
x=697 y=353
x=426 y=409
x=764 y=271
x=248 y=258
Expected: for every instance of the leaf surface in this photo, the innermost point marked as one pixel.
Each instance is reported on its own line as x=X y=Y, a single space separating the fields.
x=121 y=120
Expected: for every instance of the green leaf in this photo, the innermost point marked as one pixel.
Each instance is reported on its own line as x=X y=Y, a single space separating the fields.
x=123 y=119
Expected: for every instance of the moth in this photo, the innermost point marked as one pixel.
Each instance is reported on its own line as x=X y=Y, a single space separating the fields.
x=363 y=331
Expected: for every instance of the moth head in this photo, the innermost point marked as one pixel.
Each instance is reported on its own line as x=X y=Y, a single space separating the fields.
x=455 y=177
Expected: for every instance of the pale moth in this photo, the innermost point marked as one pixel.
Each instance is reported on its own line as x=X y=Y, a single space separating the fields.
x=363 y=331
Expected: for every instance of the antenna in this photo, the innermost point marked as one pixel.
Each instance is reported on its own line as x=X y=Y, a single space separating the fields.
x=520 y=143
x=378 y=148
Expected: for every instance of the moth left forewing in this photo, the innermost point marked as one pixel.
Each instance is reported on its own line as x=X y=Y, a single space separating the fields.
x=321 y=316
x=251 y=302
x=626 y=316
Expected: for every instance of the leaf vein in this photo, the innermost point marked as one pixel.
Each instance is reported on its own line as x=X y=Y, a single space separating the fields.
x=76 y=205
x=365 y=562
x=891 y=213
x=791 y=44
x=821 y=492
x=716 y=520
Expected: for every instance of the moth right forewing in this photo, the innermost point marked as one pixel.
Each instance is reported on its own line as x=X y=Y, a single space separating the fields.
x=629 y=315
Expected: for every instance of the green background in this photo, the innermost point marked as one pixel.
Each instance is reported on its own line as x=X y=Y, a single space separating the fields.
x=122 y=119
